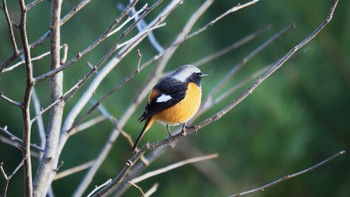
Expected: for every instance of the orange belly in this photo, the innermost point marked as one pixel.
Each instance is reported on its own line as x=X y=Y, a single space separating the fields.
x=184 y=110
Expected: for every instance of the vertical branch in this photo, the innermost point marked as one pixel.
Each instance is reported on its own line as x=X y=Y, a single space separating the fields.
x=10 y=26
x=26 y=101
x=40 y=121
x=45 y=173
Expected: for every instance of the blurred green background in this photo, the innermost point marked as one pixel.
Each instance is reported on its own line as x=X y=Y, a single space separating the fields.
x=295 y=119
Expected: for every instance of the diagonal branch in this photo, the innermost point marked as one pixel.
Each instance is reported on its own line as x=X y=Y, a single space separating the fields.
x=13 y=102
x=231 y=47
x=173 y=166
x=263 y=188
x=244 y=61
x=10 y=27
x=18 y=143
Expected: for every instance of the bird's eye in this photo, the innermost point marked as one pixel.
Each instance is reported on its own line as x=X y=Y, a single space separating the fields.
x=196 y=74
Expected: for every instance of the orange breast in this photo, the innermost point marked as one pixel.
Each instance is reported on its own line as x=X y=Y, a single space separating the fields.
x=185 y=109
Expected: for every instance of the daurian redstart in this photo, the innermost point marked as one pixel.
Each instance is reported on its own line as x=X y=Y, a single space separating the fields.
x=174 y=100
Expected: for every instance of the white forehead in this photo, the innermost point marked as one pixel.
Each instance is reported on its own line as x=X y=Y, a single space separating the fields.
x=182 y=73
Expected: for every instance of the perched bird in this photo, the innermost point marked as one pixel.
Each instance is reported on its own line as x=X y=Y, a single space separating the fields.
x=173 y=100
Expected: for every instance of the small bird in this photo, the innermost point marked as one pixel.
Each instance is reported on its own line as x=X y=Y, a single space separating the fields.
x=173 y=100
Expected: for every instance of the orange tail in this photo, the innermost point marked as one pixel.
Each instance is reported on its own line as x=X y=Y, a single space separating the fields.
x=147 y=126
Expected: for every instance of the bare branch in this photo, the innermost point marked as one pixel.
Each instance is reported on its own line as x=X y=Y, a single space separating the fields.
x=211 y=23
x=173 y=166
x=22 y=62
x=152 y=189
x=7 y=178
x=138 y=188
x=6 y=182
x=87 y=124
x=99 y=187
x=7 y=99
x=18 y=143
x=234 y=88
x=40 y=121
x=10 y=27
x=140 y=26
x=33 y=3
x=263 y=188
x=73 y=170
x=135 y=15
x=240 y=65
x=74 y=11
x=231 y=47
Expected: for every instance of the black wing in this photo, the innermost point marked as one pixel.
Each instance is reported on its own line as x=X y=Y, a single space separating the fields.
x=175 y=89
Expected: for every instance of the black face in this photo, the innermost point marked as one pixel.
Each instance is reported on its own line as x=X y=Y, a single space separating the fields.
x=196 y=78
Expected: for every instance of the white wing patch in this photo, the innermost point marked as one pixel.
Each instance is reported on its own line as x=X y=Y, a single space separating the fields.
x=163 y=98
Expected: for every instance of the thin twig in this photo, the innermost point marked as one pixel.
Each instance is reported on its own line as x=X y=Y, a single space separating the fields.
x=18 y=143
x=140 y=26
x=6 y=182
x=173 y=166
x=244 y=61
x=231 y=47
x=99 y=187
x=138 y=188
x=135 y=15
x=88 y=124
x=74 y=11
x=8 y=177
x=13 y=102
x=22 y=62
x=40 y=122
x=33 y=3
x=263 y=188
x=73 y=170
x=234 y=88
x=10 y=27
x=152 y=190
x=138 y=168
x=211 y=23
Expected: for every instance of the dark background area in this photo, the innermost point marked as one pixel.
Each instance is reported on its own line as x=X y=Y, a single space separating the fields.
x=295 y=119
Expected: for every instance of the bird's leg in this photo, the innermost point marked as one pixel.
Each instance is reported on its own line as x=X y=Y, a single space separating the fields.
x=168 y=128
x=184 y=129
x=170 y=136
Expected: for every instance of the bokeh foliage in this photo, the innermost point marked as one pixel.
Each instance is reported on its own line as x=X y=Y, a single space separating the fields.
x=297 y=118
